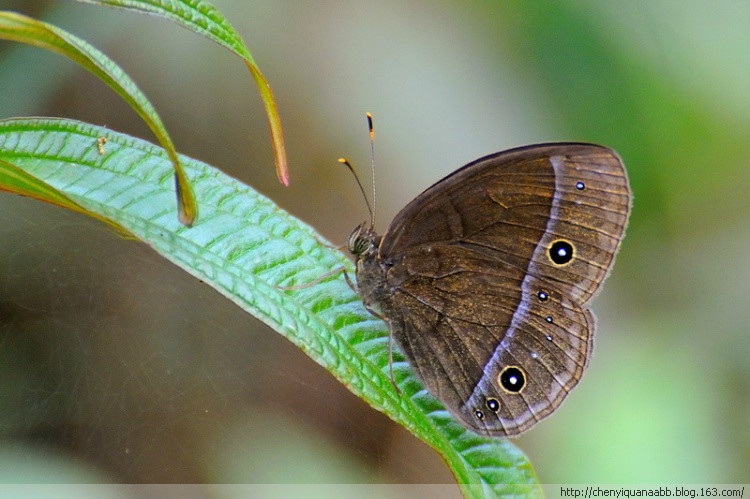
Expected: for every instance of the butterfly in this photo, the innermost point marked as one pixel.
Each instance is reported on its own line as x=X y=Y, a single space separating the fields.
x=484 y=279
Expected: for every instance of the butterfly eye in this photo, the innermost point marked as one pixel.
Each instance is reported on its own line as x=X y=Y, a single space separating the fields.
x=351 y=243
x=358 y=243
x=360 y=246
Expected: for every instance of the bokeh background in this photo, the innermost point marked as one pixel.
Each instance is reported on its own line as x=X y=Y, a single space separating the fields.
x=115 y=366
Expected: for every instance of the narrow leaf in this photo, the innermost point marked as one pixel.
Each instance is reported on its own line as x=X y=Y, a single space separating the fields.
x=20 y=28
x=203 y=18
x=245 y=247
x=17 y=181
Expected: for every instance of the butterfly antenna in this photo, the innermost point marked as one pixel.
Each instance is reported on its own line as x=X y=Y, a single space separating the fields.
x=345 y=162
x=372 y=225
x=372 y=166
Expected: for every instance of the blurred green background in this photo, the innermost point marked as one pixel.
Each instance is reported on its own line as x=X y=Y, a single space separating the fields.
x=117 y=366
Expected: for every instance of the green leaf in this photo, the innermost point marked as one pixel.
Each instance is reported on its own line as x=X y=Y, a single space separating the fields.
x=245 y=247
x=20 y=28
x=205 y=19
x=17 y=181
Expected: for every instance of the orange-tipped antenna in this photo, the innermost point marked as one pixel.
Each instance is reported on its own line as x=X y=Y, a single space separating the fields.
x=345 y=161
x=372 y=166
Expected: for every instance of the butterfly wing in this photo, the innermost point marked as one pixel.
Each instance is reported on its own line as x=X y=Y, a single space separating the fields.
x=489 y=273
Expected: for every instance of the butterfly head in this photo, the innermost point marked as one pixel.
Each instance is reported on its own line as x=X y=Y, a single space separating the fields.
x=363 y=240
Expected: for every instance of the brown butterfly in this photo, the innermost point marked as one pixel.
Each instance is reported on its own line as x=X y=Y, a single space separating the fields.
x=485 y=277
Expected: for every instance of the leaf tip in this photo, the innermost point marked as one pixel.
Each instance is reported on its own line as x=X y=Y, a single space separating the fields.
x=187 y=208
x=282 y=172
x=185 y=217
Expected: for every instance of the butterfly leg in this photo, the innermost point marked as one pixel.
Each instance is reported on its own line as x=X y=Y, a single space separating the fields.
x=390 y=335
x=390 y=361
x=390 y=350
x=316 y=280
x=353 y=285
